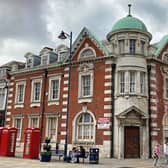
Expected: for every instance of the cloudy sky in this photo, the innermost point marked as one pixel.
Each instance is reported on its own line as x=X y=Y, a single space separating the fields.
x=30 y=25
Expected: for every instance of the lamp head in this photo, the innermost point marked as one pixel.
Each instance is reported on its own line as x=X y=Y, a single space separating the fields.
x=62 y=35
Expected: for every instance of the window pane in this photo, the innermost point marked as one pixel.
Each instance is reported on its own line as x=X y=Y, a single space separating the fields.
x=52 y=128
x=36 y=91
x=86 y=85
x=142 y=82
x=85 y=127
x=132 y=82
x=132 y=46
x=2 y=97
x=17 y=124
x=54 y=89
x=20 y=91
x=121 y=46
x=87 y=53
x=122 y=82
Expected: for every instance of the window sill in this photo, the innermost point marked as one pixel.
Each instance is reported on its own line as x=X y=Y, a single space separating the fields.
x=53 y=102
x=85 y=100
x=19 y=105
x=35 y=104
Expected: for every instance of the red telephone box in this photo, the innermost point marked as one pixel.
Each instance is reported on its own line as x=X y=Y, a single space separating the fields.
x=31 y=143
x=1 y=128
x=8 y=141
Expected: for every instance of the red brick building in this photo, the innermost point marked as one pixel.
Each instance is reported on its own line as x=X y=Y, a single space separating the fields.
x=118 y=94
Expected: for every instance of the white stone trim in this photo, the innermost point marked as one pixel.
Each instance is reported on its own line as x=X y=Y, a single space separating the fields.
x=153 y=115
x=106 y=132
x=107 y=115
x=107 y=107
x=10 y=101
x=9 y=107
x=154 y=108
x=8 y=113
x=10 y=95
x=12 y=77
x=64 y=109
x=63 y=124
x=65 y=95
x=8 y=119
x=11 y=83
x=19 y=106
x=63 y=132
x=64 y=102
x=63 y=117
x=107 y=84
x=154 y=133
x=65 y=82
x=153 y=93
x=106 y=99
x=66 y=75
x=108 y=76
x=108 y=69
x=153 y=100
x=35 y=104
x=65 y=89
x=154 y=124
x=53 y=103
x=153 y=86
x=11 y=90
x=107 y=92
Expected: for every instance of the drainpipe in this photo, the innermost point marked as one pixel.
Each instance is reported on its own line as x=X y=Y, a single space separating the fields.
x=149 y=110
x=43 y=105
x=112 y=109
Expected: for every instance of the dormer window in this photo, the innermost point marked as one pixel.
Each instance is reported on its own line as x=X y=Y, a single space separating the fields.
x=132 y=46
x=44 y=60
x=86 y=53
x=62 y=56
x=29 y=62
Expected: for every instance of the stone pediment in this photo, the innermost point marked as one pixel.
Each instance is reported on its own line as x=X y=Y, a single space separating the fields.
x=132 y=112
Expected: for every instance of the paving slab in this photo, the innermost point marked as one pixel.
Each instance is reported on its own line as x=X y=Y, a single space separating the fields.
x=15 y=162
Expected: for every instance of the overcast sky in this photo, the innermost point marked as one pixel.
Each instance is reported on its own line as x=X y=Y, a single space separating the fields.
x=30 y=25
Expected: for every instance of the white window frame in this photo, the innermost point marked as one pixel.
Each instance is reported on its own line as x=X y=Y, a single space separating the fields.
x=165 y=57
x=87 y=56
x=132 y=82
x=80 y=89
x=121 y=46
x=48 y=117
x=132 y=46
x=18 y=94
x=50 y=88
x=32 y=90
x=76 y=131
x=19 y=130
x=31 y=117
x=43 y=58
x=142 y=83
x=122 y=82
x=4 y=97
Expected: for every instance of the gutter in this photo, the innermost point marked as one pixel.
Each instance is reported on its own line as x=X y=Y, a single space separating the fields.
x=112 y=109
x=149 y=110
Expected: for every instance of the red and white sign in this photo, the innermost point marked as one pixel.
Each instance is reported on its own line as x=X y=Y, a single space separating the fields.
x=103 y=123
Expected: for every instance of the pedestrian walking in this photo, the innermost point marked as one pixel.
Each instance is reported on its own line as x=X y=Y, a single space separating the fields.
x=156 y=154
x=166 y=152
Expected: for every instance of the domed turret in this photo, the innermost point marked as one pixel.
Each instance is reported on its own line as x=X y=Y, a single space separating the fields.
x=129 y=23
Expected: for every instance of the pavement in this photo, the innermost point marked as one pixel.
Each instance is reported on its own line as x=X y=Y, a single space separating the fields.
x=18 y=162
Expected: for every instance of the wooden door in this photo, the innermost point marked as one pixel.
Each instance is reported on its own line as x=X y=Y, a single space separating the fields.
x=132 y=146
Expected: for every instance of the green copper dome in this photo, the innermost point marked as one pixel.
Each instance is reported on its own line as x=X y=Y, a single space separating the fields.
x=129 y=22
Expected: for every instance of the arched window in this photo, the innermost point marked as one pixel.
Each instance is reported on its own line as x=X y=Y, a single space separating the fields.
x=86 y=53
x=85 y=127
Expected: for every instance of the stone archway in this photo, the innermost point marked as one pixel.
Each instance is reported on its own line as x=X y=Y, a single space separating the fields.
x=133 y=132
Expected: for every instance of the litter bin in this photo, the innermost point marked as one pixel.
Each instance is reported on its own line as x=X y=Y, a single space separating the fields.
x=94 y=155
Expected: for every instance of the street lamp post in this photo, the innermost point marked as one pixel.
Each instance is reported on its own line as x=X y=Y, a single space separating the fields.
x=63 y=36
